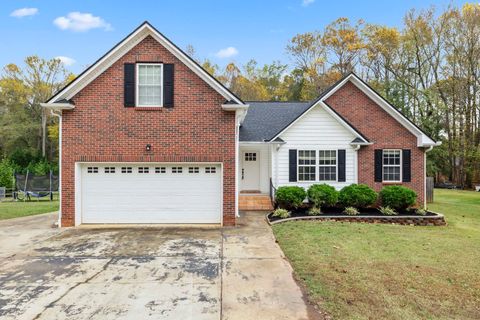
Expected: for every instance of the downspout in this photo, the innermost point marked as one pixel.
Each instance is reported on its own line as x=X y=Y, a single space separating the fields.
x=425 y=179
x=59 y=115
x=237 y=145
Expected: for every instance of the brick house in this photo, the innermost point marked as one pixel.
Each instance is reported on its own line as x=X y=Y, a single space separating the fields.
x=148 y=136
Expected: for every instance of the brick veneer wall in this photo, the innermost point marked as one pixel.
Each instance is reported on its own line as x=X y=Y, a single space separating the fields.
x=101 y=129
x=385 y=133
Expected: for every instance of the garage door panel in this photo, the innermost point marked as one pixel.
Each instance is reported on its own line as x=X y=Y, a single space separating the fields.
x=151 y=197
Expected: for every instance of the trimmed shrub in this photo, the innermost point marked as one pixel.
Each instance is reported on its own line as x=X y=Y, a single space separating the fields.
x=322 y=195
x=290 y=197
x=357 y=195
x=314 y=211
x=351 y=211
x=387 y=211
x=281 y=213
x=398 y=197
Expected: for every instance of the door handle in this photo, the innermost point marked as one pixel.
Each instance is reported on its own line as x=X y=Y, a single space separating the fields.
x=243 y=173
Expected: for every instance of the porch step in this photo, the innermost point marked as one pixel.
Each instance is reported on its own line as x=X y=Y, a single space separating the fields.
x=254 y=203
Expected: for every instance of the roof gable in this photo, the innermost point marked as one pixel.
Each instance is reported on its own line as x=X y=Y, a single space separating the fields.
x=124 y=46
x=423 y=140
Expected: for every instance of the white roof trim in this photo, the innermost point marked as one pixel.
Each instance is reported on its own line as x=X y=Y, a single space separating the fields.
x=58 y=106
x=126 y=45
x=330 y=112
x=422 y=139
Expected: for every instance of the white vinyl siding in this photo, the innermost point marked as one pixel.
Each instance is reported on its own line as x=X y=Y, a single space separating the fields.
x=316 y=130
x=149 y=89
x=133 y=194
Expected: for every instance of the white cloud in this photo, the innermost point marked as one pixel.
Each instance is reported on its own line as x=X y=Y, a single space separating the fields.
x=66 y=60
x=227 y=52
x=306 y=3
x=24 y=12
x=80 y=22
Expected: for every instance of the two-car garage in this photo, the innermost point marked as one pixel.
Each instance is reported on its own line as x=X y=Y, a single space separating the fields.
x=148 y=193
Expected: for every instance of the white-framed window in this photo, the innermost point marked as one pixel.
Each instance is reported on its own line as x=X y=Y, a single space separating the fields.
x=92 y=169
x=177 y=169
x=193 y=169
x=126 y=169
x=391 y=165
x=210 y=169
x=307 y=165
x=160 y=170
x=143 y=169
x=109 y=169
x=149 y=91
x=327 y=165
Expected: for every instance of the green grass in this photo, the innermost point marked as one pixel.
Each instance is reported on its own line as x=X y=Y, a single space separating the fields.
x=374 y=271
x=14 y=209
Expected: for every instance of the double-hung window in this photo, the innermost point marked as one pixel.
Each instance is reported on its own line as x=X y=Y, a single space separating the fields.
x=327 y=165
x=149 y=85
x=391 y=160
x=306 y=165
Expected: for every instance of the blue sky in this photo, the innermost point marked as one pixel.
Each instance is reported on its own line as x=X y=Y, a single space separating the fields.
x=221 y=31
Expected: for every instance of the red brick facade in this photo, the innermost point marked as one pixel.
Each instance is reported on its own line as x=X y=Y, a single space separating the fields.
x=384 y=131
x=101 y=129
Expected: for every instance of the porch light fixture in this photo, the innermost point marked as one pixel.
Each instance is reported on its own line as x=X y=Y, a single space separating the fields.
x=148 y=147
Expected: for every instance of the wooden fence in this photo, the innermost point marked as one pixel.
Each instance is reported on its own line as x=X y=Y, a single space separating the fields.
x=429 y=194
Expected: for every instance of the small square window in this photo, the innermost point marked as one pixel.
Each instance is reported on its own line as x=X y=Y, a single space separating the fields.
x=109 y=169
x=160 y=169
x=177 y=169
x=143 y=169
x=193 y=170
x=250 y=156
x=210 y=170
x=126 y=169
x=92 y=169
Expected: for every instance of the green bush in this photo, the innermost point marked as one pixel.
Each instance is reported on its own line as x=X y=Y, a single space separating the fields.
x=281 y=213
x=351 y=211
x=6 y=173
x=387 y=211
x=398 y=197
x=290 y=197
x=314 y=211
x=322 y=195
x=357 y=195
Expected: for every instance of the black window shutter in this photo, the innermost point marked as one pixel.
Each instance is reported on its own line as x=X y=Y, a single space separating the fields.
x=341 y=165
x=406 y=165
x=129 y=85
x=292 y=168
x=378 y=165
x=168 y=76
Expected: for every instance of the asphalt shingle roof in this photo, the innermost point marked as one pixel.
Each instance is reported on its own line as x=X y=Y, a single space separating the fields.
x=265 y=120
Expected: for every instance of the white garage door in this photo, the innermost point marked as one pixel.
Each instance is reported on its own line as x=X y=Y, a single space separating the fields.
x=151 y=193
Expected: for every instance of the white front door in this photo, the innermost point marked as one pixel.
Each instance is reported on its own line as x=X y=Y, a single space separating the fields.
x=151 y=193
x=251 y=171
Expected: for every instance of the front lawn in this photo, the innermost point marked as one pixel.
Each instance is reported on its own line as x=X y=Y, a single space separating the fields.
x=374 y=271
x=13 y=209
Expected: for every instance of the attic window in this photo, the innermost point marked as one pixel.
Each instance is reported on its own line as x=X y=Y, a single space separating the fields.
x=149 y=85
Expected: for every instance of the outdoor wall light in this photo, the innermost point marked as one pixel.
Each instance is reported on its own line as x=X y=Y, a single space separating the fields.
x=148 y=147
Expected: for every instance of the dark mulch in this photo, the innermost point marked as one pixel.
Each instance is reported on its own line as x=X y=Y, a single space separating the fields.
x=335 y=211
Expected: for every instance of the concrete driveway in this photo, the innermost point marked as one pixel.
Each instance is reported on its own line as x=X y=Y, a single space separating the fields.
x=145 y=273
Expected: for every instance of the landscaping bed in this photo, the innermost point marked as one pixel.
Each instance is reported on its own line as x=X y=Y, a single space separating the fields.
x=370 y=215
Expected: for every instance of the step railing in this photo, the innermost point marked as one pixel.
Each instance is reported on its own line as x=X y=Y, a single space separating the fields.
x=272 y=193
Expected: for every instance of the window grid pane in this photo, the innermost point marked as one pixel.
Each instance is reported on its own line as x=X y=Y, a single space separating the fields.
x=150 y=85
x=306 y=165
x=391 y=165
x=327 y=165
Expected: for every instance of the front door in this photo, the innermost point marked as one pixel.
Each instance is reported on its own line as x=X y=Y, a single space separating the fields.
x=251 y=171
